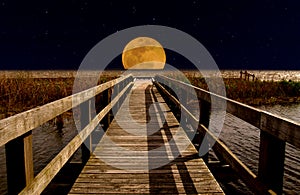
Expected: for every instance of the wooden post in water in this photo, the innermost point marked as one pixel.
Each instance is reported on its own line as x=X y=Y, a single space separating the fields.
x=85 y=117
x=271 y=161
x=204 y=119
x=106 y=101
x=19 y=162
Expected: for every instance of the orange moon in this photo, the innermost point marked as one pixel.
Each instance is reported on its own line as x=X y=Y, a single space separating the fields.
x=143 y=53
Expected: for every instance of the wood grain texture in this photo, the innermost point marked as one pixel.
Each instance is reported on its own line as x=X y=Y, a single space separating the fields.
x=223 y=151
x=153 y=160
x=284 y=129
x=19 y=124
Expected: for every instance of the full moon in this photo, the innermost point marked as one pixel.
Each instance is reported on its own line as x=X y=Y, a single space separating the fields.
x=143 y=53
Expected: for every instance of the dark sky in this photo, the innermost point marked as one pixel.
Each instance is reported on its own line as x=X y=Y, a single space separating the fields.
x=240 y=34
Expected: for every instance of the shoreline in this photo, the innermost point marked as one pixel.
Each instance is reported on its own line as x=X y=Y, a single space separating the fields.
x=20 y=93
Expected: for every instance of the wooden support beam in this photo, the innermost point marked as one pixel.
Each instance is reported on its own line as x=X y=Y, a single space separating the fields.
x=85 y=116
x=19 y=162
x=118 y=89
x=19 y=124
x=271 y=161
x=105 y=101
x=184 y=97
x=204 y=119
x=110 y=114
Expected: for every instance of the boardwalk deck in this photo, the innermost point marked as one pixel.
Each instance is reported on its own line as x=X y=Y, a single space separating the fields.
x=151 y=156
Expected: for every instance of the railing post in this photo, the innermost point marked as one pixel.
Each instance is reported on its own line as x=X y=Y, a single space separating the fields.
x=19 y=162
x=90 y=119
x=184 y=97
x=204 y=119
x=109 y=115
x=85 y=117
x=271 y=161
x=106 y=100
x=117 y=88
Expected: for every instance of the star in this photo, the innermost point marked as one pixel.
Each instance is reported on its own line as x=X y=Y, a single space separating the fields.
x=46 y=11
x=133 y=10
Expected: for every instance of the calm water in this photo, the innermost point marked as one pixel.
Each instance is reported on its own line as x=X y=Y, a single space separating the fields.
x=240 y=137
x=47 y=142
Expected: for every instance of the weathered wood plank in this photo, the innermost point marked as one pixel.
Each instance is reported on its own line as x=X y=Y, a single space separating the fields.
x=271 y=161
x=278 y=126
x=185 y=174
x=19 y=124
x=19 y=163
x=284 y=129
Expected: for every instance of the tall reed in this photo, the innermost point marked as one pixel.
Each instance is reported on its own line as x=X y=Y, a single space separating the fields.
x=22 y=93
x=257 y=92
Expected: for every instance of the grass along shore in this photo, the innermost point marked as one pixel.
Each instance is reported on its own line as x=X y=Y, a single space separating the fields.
x=22 y=93
x=19 y=94
x=257 y=92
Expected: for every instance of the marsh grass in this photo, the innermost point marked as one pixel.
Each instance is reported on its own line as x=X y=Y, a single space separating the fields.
x=257 y=92
x=21 y=93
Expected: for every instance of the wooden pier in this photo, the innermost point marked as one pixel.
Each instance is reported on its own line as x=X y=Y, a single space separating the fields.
x=123 y=163
x=157 y=157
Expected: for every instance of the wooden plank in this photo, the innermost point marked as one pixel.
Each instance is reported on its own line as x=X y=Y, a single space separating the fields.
x=271 y=161
x=284 y=129
x=28 y=158
x=19 y=124
x=41 y=181
x=186 y=174
x=19 y=163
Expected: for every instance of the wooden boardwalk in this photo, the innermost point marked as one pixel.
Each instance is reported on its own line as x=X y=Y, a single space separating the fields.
x=152 y=155
x=144 y=150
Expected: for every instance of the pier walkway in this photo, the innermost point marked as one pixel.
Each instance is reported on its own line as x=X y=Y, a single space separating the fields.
x=153 y=156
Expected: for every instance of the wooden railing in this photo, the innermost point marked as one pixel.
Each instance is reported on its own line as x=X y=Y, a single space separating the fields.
x=247 y=76
x=16 y=135
x=275 y=131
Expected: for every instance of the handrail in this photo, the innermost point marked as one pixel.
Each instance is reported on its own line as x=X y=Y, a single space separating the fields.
x=19 y=124
x=47 y=174
x=16 y=135
x=280 y=127
x=227 y=155
x=275 y=131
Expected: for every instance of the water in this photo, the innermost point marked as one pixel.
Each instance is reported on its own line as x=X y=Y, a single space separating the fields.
x=48 y=141
x=243 y=140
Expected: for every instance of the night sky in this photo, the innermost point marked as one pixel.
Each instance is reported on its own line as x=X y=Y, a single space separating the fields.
x=240 y=34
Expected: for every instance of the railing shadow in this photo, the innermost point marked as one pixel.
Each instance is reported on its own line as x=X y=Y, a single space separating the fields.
x=172 y=173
